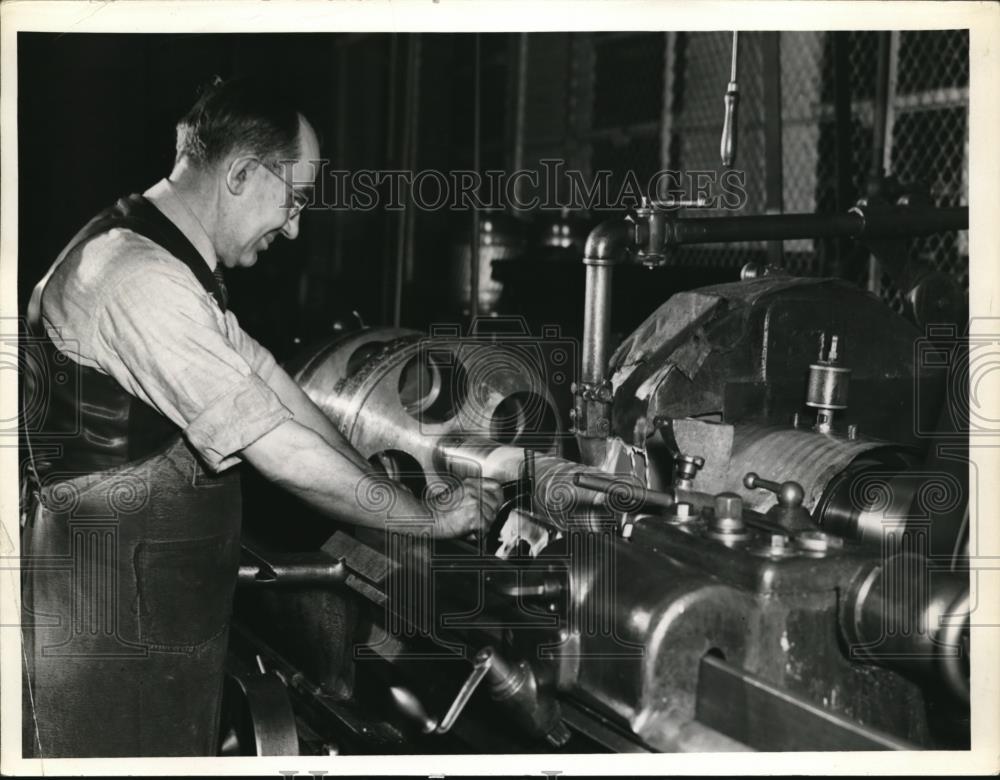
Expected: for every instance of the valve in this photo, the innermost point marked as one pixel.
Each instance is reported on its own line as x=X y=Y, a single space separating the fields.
x=788 y=512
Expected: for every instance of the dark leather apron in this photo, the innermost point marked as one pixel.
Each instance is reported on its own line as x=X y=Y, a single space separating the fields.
x=129 y=556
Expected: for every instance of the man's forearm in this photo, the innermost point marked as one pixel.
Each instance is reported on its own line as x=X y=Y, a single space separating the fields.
x=326 y=477
x=311 y=416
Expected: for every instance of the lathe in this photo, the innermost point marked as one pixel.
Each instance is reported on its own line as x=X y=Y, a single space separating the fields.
x=742 y=539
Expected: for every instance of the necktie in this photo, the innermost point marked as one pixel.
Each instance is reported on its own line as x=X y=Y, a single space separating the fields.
x=221 y=280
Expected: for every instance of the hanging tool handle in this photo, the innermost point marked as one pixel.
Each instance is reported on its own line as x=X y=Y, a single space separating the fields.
x=727 y=148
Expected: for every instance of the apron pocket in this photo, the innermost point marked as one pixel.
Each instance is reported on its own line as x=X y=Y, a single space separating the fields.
x=185 y=591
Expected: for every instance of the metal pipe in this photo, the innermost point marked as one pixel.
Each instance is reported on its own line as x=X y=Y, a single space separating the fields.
x=895 y=222
x=773 y=159
x=411 y=212
x=842 y=141
x=880 y=105
x=606 y=245
x=406 y=139
x=521 y=95
x=608 y=242
x=389 y=312
x=597 y=323
x=322 y=571
x=476 y=248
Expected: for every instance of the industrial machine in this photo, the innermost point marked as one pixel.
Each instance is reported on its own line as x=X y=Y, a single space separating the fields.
x=741 y=538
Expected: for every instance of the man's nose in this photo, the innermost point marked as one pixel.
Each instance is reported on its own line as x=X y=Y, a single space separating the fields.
x=291 y=227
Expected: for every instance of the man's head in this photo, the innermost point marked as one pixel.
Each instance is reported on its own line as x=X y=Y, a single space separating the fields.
x=252 y=153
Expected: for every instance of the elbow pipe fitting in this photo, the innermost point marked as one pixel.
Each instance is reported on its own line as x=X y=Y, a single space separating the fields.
x=608 y=243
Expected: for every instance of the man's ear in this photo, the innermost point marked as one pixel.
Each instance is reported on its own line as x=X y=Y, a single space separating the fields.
x=238 y=173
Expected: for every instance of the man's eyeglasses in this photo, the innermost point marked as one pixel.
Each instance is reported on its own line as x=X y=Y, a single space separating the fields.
x=299 y=199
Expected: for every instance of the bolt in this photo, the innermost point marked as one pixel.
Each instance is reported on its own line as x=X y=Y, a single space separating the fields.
x=778 y=541
x=795 y=420
x=728 y=517
x=728 y=506
x=682 y=510
x=558 y=735
x=852 y=432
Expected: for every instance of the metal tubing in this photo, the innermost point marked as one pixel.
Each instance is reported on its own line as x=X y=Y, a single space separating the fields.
x=608 y=242
x=606 y=245
x=909 y=221
x=763 y=228
x=773 y=161
x=842 y=140
x=292 y=573
x=476 y=229
x=880 y=105
x=889 y=223
x=597 y=323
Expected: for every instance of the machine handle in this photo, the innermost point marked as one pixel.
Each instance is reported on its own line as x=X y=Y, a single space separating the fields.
x=790 y=494
x=644 y=499
x=480 y=666
x=411 y=705
x=732 y=100
x=727 y=147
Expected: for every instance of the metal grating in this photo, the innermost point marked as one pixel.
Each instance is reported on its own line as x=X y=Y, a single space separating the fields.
x=641 y=101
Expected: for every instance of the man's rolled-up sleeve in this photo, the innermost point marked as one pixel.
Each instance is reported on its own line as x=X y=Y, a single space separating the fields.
x=164 y=339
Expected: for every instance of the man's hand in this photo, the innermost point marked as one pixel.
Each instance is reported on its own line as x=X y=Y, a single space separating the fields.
x=467 y=508
x=328 y=477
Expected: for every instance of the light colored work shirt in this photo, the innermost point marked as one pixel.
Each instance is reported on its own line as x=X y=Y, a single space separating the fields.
x=125 y=306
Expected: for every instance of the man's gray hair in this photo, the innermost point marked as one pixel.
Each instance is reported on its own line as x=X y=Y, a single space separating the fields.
x=240 y=115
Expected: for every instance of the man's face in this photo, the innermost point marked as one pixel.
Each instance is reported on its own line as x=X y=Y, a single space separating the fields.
x=263 y=208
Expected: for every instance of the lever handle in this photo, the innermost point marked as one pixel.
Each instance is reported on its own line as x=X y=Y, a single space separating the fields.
x=727 y=147
x=644 y=498
x=480 y=666
x=411 y=706
x=790 y=494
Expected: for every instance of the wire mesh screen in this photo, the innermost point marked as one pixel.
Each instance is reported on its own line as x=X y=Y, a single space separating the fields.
x=701 y=72
x=930 y=134
x=641 y=102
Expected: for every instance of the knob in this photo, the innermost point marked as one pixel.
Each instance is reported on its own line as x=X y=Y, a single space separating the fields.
x=790 y=494
x=788 y=512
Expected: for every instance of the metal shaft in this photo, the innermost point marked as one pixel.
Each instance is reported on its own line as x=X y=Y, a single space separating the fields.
x=597 y=323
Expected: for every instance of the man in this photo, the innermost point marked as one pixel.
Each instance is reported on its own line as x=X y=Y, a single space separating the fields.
x=125 y=636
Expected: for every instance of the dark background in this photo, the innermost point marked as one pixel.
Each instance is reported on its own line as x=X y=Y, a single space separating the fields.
x=96 y=115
